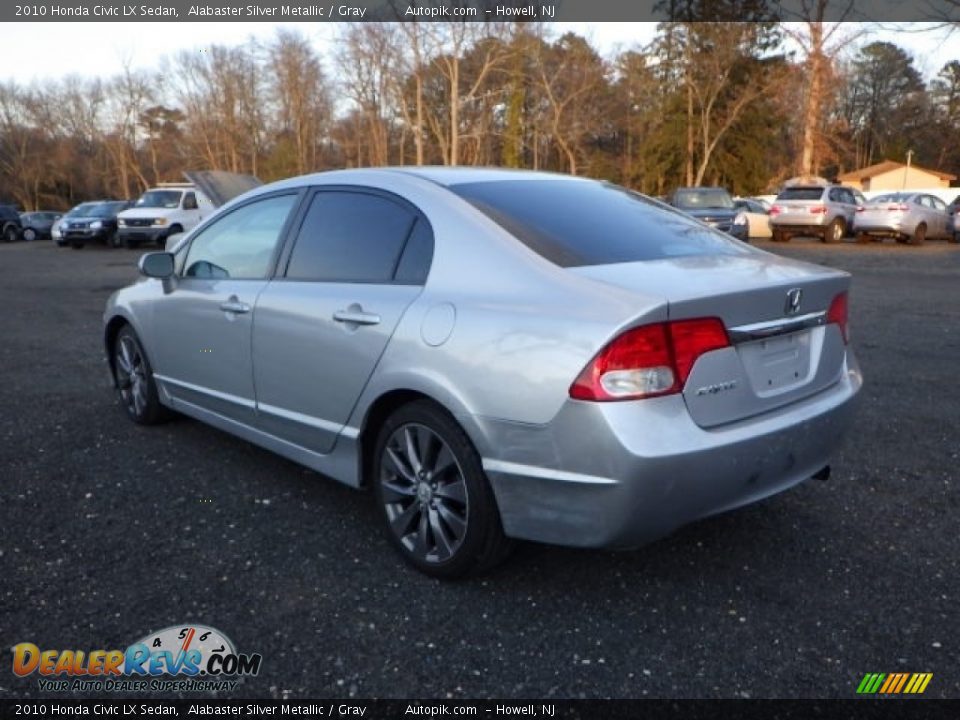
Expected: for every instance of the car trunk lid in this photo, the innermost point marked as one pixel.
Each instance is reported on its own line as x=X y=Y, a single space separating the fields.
x=221 y=186
x=775 y=311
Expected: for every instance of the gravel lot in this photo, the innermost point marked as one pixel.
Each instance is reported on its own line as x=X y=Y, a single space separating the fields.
x=109 y=531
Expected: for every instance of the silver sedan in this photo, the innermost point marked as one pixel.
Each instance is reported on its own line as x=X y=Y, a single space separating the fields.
x=907 y=217
x=498 y=355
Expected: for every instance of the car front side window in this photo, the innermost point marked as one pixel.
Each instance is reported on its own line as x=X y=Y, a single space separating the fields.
x=241 y=244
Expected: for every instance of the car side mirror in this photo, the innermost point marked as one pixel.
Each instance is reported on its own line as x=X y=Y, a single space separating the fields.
x=156 y=265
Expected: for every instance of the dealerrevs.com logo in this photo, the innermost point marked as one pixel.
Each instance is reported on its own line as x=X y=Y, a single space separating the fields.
x=197 y=657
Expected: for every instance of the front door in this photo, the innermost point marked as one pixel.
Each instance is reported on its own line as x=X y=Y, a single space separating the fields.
x=203 y=326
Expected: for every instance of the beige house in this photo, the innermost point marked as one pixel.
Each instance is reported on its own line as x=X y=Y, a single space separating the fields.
x=892 y=175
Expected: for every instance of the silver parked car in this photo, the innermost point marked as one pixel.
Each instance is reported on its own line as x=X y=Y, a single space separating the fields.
x=905 y=216
x=497 y=354
x=813 y=206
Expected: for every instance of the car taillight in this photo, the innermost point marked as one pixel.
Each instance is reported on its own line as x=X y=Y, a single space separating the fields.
x=818 y=209
x=776 y=210
x=838 y=314
x=860 y=208
x=649 y=361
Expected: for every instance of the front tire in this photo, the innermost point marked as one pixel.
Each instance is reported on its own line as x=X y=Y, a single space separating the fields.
x=29 y=234
x=10 y=234
x=438 y=507
x=134 y=380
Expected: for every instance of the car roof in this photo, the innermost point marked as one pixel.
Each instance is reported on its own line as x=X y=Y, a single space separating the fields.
x=441 y=175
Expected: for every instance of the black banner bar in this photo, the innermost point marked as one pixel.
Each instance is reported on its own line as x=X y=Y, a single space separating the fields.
x=940 y=11
x=915 y=709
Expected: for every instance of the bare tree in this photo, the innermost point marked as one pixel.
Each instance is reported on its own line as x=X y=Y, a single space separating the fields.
x=571 y=75
x=820 y=43
x=452 y=39
x=301 y=95
x=367 y=62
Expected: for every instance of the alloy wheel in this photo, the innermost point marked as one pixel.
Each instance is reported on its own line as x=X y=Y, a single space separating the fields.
x=424 y=493
x=131 y=376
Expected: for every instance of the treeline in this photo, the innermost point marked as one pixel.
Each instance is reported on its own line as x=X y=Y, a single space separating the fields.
x=715 y=103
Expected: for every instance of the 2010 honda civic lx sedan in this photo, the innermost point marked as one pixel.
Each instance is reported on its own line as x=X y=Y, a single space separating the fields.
x=497 y=354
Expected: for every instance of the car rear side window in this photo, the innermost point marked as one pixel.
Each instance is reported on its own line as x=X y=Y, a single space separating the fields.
x=415 y=262
x=573 y=223
x=350 y=237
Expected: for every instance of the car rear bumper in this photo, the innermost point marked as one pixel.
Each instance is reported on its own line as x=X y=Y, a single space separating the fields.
x=622 y=474
x=814 y=227
x=891 y=230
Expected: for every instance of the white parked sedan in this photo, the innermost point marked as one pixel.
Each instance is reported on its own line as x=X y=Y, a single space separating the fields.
x=758 y=217
x=904 y=216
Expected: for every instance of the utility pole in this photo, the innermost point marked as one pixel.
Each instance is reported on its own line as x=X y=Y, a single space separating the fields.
x=906 y=170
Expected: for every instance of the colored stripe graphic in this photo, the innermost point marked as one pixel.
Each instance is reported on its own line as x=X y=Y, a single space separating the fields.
x=903 y=680
x=894 y=683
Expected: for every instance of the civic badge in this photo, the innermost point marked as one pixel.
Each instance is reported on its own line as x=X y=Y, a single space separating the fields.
x=792 y=306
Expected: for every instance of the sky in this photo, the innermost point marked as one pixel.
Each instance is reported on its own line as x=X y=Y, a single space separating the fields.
x=38 y=51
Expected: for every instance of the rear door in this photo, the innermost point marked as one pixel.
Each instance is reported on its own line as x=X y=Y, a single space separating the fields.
x=849 y=202
x=939 y=211
x=359 y=259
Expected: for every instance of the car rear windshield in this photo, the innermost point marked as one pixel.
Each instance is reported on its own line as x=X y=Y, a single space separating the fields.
x=801 y=193
x=591 y=223
x=703 y=199
x=889 y=198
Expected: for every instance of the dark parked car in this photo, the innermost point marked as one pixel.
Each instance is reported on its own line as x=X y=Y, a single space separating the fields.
x=9 y=223
x=93 y=222
x=714 y=206
x=38 y=224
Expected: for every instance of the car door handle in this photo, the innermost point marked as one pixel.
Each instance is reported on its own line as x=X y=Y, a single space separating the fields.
x=233 y=305
x=356 y=317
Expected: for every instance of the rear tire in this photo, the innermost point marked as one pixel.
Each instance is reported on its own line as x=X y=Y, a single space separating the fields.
x=835 y=231
x=133 y=375
x=29 y=234
x=779 y=236
x=113 y=240
x=919 y=235
x=10 y=234
x=438 y=508
x=863 y=238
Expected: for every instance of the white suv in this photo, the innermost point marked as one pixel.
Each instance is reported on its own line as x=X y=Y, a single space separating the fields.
x=823 y=210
